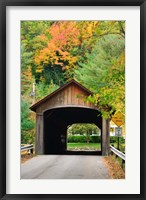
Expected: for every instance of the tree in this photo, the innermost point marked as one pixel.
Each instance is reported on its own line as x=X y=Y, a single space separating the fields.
x=53 y=52
x=27 y=124
x=34 y=36
x=104 y=74
x=83 y=129
x=68 y=44
x=60 y=52
x=42 y=89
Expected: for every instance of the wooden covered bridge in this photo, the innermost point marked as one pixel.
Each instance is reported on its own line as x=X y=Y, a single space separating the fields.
x=61 y=108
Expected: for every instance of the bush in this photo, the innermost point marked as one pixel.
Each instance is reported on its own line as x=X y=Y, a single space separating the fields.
x=114 y=139
x=95 y=139
x=76 y=139
x=83 y=139
x=92 y=139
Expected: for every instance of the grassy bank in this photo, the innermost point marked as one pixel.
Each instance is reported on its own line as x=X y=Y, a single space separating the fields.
x=84 y=146
x=90 y=146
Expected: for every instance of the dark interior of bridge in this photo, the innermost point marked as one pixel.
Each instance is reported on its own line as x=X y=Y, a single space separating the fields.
x=56 y=122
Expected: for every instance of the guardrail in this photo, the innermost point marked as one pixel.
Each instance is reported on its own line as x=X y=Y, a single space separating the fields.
x=28 y=148
x=118 y=153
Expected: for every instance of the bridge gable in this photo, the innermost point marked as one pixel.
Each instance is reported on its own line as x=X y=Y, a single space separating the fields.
x=71 y=94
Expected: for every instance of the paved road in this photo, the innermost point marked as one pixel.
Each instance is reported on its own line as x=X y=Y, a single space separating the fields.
x=64 y=167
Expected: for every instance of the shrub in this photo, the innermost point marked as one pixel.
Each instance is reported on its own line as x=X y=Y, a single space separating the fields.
x=76 y=139
x=114 y=139
x=95 y=139
x=83 y=139
x=92 y=139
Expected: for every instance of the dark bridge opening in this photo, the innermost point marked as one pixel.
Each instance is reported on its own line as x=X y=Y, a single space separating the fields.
x=56 y=122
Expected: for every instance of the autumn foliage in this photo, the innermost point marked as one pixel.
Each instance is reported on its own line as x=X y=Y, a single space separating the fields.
x=92 y=52
x=64 y=37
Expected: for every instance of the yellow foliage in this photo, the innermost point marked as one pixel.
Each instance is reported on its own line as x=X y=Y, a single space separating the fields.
x=28 y=73
x=39 y=69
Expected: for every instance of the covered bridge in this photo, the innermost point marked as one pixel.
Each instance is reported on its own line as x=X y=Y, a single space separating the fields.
x=63 y=107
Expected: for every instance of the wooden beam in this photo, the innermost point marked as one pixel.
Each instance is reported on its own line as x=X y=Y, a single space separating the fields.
x=105 y=137
x=39 y=148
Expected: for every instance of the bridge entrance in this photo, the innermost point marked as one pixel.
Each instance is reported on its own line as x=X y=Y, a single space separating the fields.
x=60 y=109
x=56 y=122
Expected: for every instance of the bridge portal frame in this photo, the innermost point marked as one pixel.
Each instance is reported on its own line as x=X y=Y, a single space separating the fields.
x=70 y=95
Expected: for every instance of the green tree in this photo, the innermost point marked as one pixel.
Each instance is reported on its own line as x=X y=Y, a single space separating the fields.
x=34 y=36
x=27 y=124
x=104 y=74
x=83 y=129
x=42 y=89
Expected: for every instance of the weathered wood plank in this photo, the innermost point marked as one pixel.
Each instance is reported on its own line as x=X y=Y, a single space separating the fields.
x=105 y=137
x=39 y=134
x=67 y=96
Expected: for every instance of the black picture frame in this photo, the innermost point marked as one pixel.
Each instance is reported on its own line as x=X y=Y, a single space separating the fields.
x=3 y=128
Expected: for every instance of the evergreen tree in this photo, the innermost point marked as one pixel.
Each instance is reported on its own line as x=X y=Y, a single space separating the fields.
x=104 y=74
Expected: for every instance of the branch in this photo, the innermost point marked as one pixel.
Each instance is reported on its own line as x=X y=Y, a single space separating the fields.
x=107 y=33
x=121 y=28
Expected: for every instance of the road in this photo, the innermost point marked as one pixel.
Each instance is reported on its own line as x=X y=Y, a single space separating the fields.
x=64 y=167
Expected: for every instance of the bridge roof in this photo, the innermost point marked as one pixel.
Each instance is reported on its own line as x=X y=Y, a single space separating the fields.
x=37 y=104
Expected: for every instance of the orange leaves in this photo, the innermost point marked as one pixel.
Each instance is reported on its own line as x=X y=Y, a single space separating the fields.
x=62 y=48
x=64 y=34
x=69 y=41
x=64 y=38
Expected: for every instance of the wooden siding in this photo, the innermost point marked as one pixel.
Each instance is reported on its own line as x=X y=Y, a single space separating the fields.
x=71 y=95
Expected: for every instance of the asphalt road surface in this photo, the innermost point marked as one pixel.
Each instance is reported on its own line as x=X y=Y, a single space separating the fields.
x=64 y=167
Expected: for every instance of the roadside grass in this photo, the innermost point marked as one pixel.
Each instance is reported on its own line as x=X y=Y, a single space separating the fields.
x=26 y=157
x=83 y=146
x=91 y=146
x=114 y=167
